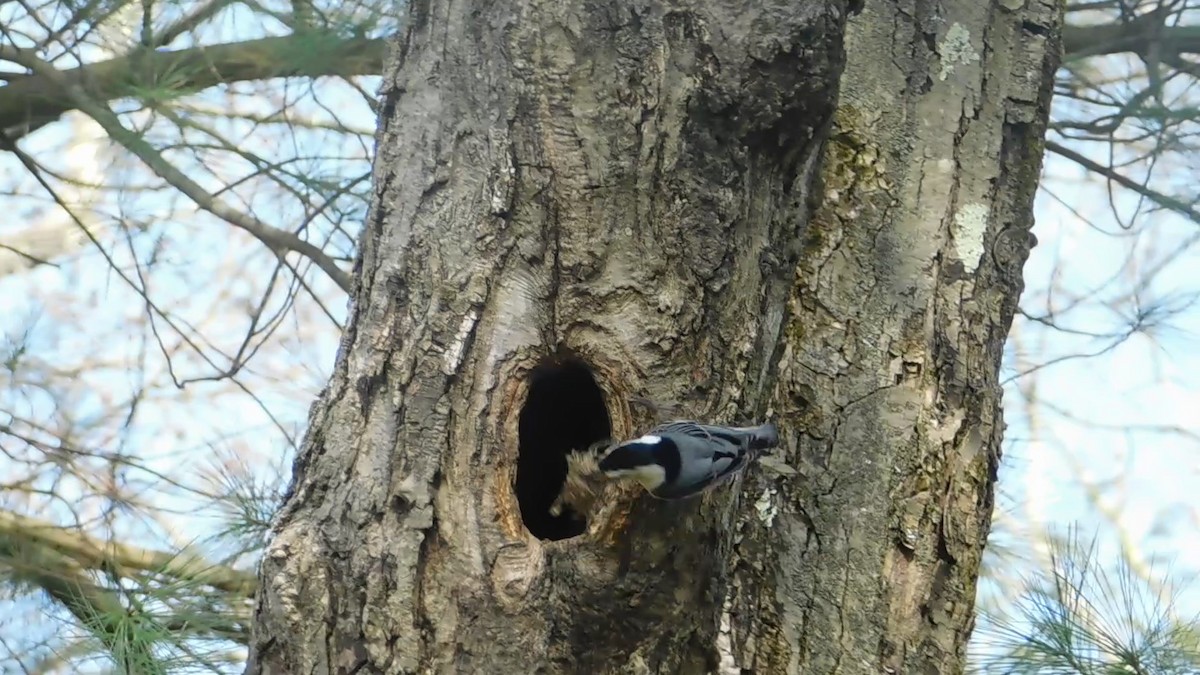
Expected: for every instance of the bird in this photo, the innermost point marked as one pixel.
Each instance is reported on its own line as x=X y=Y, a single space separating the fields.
x=683 y=458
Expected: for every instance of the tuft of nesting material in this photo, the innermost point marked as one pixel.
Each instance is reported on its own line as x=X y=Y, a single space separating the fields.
x=584 y=480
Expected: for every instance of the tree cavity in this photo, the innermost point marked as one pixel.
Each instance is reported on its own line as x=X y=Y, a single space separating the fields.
x=563 y=411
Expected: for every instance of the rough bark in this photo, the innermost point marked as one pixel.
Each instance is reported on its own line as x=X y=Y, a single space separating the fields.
x=580 y=202
x=907 y=285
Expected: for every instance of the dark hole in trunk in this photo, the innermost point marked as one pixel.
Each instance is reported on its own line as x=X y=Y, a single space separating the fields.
x=564 y=411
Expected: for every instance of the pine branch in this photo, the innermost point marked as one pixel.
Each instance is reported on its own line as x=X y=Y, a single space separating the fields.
x=90 y=553
x=29 y=102
x=99 y=610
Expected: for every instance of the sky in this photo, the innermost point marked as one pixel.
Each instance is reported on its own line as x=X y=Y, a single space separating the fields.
x=1111 y=445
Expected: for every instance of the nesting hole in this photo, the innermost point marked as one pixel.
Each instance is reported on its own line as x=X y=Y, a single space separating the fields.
x=564 y=410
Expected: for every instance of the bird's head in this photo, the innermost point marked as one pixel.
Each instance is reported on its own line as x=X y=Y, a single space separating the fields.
x=637 y=459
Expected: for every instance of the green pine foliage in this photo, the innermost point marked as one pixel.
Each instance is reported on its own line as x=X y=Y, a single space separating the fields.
x=1079 y=617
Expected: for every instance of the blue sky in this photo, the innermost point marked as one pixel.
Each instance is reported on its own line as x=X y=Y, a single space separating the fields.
x=1122 y=424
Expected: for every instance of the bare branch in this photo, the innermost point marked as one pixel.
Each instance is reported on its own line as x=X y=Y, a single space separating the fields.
x=1163 y=200
x=1136 y=36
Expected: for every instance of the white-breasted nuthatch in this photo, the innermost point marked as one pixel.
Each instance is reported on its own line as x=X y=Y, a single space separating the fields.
x=684 y=458
x=672 y=461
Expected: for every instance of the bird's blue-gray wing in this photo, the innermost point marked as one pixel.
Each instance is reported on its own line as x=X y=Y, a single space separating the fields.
x=713 y=437
x=759 y=437
x=685 y=427
x=707 y=462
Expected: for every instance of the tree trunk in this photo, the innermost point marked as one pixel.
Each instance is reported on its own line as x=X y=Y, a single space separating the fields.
x=583 y=202
x=909 y=277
